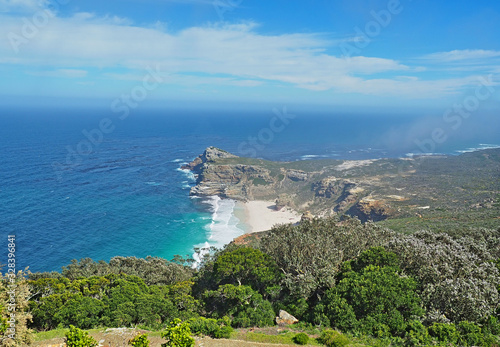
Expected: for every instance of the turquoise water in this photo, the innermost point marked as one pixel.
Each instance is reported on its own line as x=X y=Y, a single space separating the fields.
x=127 y=196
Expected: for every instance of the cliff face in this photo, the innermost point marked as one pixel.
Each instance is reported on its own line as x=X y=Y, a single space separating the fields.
x=372 y=190
x=226 y=175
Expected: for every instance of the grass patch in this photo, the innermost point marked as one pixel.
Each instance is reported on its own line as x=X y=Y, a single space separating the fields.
x=283 y=338
x=60 y=333
x=260 y=182
x=51 y=334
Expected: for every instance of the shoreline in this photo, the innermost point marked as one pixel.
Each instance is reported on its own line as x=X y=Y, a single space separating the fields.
x=261 y=215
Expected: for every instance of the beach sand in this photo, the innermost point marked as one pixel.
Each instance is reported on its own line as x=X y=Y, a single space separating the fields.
x=262 y=215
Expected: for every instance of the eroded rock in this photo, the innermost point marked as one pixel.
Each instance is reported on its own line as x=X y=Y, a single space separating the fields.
x=285 y=318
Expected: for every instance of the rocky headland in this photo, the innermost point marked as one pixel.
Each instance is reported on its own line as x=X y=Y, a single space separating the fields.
x=372 y=190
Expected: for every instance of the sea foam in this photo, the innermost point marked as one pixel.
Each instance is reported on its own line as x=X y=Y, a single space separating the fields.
x=222 y=227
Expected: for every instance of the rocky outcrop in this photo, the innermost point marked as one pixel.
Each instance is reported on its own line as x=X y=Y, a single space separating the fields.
x=297 y=175
x=232 y=181
x=307 y=216
x=372 y=190
x=343 y=192
x=282 y=201
x=285 y=318
x=210 y=154
x=332 y=187
x=371 y=210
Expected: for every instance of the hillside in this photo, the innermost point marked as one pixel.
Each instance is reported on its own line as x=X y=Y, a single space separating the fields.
x=423 y=188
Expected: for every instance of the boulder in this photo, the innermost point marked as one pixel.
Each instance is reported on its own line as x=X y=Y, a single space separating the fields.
x=285 y=318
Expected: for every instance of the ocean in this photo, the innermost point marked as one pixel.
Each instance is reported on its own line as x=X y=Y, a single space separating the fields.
x=78 y=183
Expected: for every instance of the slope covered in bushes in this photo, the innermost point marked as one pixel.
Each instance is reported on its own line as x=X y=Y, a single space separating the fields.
x=420 y=289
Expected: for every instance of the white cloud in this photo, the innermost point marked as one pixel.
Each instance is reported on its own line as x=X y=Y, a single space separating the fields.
x=200 y=55
x=184 y=2
x=65 y=73
x=17 y=6
x=461 y=55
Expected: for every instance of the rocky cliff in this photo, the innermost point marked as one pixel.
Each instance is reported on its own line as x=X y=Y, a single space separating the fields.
x=372 y=190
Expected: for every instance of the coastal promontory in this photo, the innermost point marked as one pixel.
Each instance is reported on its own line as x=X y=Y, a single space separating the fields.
x=419 y=188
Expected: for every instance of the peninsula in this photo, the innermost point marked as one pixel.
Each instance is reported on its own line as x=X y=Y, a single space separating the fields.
x=429 y=191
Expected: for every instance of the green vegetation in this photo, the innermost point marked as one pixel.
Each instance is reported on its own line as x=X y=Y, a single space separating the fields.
x=245 y=306
x=333 y=338
x=285 y=337
x=75 y=337
x=301 y=339
x=424 y=193
x=14 y=314
x=140 y=340
x=347 y=282
x=372 y=296
x=215 y=328
x=259 y=181
x=177 y=334
x=111 y=300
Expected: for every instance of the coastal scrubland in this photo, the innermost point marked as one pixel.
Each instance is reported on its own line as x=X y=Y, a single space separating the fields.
x=426 y=274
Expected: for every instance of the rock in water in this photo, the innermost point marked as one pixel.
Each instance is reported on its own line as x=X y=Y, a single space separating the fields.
x=285 y=318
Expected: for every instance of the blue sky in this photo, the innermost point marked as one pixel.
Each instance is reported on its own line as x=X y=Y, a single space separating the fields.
x=370 y=53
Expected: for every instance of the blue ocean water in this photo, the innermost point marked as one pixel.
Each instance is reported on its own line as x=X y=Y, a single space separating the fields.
x=67 y=195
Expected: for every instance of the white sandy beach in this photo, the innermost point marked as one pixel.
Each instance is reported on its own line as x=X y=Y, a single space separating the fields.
x=262 y=215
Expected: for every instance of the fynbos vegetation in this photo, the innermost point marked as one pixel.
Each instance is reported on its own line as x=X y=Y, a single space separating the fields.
x=360 y=279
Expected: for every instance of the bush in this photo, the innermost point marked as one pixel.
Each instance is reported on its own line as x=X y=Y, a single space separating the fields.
x=78 y=338
x=449 y=269
x=492 y=326
x=444 y=332
x=178 y=334
x=246 y=266
x=218 y=329
x=470 y=334
x=140 y=340
x=152 y=270
x=301 y=339
x=372 y=296
x=245 y=306
x=333 y=338
x=417 y=334
x=310 y=254
x=223 y=333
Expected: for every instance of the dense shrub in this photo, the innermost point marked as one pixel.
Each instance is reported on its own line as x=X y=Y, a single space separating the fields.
x=492 y=326
x=153 y=270
x=242 y=304
x=80 y=311
x=444 y=332
x=449 y=270
x=310 y=254
x=112 y=300
x=140 y=340
x=78 y=338
x=333 y=338
x=470 y=334
x=215 y=328
x=242 y=266
x=335 y=311
x=14 y=330
x=301 y=339
x=417 y=334
x=373 y=299
x=328 y=272
x=177 y=334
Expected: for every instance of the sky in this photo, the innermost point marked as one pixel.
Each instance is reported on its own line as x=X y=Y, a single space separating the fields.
x=388 y=54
